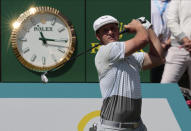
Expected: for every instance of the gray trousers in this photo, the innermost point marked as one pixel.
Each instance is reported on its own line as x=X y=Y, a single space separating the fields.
x=177 y=61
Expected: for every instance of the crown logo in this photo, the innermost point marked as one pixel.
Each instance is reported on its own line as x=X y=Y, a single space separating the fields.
x=43 y=21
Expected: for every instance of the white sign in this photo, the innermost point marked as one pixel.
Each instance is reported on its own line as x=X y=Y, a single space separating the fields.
x=78 y=114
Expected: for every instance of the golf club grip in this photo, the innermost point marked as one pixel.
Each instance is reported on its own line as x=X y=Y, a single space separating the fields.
x=126 y=30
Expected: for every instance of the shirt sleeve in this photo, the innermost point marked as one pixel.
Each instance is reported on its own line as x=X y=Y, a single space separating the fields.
x=139 y=58
x=173 y=20
x=108 y=55
x=117 y=52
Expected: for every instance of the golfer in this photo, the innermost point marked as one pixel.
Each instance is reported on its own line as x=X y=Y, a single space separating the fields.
x=118 y=65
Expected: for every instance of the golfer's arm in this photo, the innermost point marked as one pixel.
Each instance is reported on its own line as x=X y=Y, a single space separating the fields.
x=136 y=43
x=155 y=57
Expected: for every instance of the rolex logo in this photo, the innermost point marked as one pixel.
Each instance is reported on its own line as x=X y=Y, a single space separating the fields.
x=38 y=28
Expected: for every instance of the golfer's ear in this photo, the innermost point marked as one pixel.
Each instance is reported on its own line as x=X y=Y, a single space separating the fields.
x=97 y=36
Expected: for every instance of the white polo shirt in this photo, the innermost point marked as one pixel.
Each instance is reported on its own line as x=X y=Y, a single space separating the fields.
x=118 y=75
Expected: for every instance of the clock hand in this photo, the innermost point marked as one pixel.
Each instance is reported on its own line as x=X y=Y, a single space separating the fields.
x=56 y=40
x=62 y=46
x=41 y=34
x=42 y=38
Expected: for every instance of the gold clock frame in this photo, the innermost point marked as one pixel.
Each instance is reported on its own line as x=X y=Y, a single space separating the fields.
x=40 y=10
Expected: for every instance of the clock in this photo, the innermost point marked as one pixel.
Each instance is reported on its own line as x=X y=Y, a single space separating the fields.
x=43 y=39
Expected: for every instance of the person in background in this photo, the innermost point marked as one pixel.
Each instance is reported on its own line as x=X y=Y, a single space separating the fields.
x=158 y=20
x=178 y=57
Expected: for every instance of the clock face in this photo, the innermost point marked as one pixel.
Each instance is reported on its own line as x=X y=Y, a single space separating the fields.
x=44 y=41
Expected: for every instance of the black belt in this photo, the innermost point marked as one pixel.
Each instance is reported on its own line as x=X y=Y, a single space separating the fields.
x=132 y=125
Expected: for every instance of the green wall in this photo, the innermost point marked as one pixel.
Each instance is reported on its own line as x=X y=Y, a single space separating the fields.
x=82 y=14
x=124 y=11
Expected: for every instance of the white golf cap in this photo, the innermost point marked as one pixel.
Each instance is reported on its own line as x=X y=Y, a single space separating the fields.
x=103 y=20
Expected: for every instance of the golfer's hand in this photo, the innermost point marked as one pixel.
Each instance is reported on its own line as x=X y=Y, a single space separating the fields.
x=146 y=24
x=133 y=26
